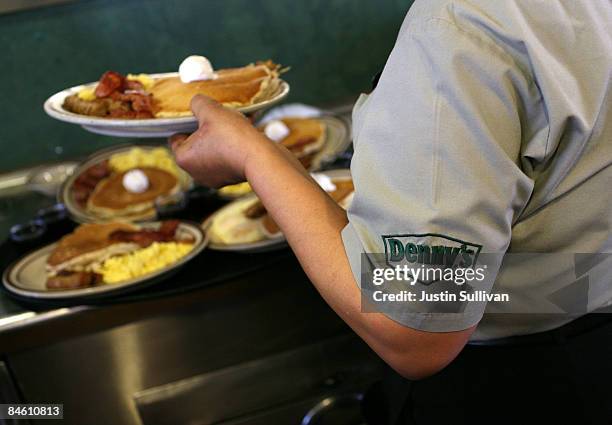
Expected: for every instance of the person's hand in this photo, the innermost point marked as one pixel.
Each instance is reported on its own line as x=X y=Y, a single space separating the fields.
x=217 y=152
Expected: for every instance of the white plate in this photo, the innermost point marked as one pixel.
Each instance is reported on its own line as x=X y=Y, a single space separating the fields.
x=152 y=127
x=337 y=141
x=298 y=110
x=79 y=214
x=264 y=245
x=27 y=277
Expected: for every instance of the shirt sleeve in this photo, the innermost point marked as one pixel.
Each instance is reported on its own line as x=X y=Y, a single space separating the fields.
x=437 y=148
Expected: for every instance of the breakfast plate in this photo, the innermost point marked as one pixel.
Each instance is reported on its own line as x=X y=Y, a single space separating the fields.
x=264 y=244
x=337 y=140
x=81 y=212
x=233 y=228
x=152 y=127
x=27 y=277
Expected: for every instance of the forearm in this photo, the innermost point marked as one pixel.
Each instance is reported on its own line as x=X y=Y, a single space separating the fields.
x=310 y=220
x=312 y=223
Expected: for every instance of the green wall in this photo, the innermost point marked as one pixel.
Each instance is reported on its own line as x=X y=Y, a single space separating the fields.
x=333 y=47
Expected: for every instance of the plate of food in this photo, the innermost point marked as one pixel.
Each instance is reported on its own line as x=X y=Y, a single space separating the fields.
x=244 y=225
x=158 y=105
x=313 y=140
x=124 y=183
x=97 y=259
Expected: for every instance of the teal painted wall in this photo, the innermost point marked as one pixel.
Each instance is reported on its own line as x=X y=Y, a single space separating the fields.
x=333 y=47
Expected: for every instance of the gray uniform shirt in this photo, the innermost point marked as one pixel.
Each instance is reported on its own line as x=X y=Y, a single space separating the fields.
x=492 y=123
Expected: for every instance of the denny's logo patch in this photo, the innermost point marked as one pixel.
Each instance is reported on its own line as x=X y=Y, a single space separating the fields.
x=430 y=249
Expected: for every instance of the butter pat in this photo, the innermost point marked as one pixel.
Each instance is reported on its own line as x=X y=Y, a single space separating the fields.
x=196 y=68
x=135 y=181
x=276 y=130
x=87 y=94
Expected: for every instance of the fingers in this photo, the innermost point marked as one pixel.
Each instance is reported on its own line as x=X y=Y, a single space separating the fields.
x=207 y=111
x=179 y=143
x=204 y=108
x=177 y=139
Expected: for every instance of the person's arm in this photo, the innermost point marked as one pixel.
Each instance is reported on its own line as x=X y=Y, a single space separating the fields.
x=312 y=223
x=227 y=148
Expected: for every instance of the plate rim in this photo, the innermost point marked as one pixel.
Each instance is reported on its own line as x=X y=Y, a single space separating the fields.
x=342 y=145
x=102 y=290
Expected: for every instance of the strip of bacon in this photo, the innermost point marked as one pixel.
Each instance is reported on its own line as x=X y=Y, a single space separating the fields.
x=110 y=82
x=117 y=97
x=86 y=182
x=145 y=237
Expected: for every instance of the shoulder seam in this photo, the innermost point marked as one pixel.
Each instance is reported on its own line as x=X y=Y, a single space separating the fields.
x=411 y=30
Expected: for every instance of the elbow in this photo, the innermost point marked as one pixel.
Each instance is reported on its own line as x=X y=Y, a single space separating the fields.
x=419 y=370
x=421 y=363
x=417 y=354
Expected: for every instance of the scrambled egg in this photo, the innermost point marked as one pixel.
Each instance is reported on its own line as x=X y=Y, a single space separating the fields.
x=137 y=157
x=138 y=263
x=238 y=189
x=144 y=79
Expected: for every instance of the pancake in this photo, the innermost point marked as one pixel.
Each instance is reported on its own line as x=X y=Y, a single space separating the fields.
x=234 y=87
x=343 y=189
x=79 y=259
x=306 y=135
x=110 y=199
x=88 y=241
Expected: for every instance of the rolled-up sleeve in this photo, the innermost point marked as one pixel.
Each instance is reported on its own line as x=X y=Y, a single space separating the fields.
x=437 y=147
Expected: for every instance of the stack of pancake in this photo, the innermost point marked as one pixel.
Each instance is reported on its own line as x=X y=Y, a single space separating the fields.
x=234 y=87
x=110 y=199
x=305 y=139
